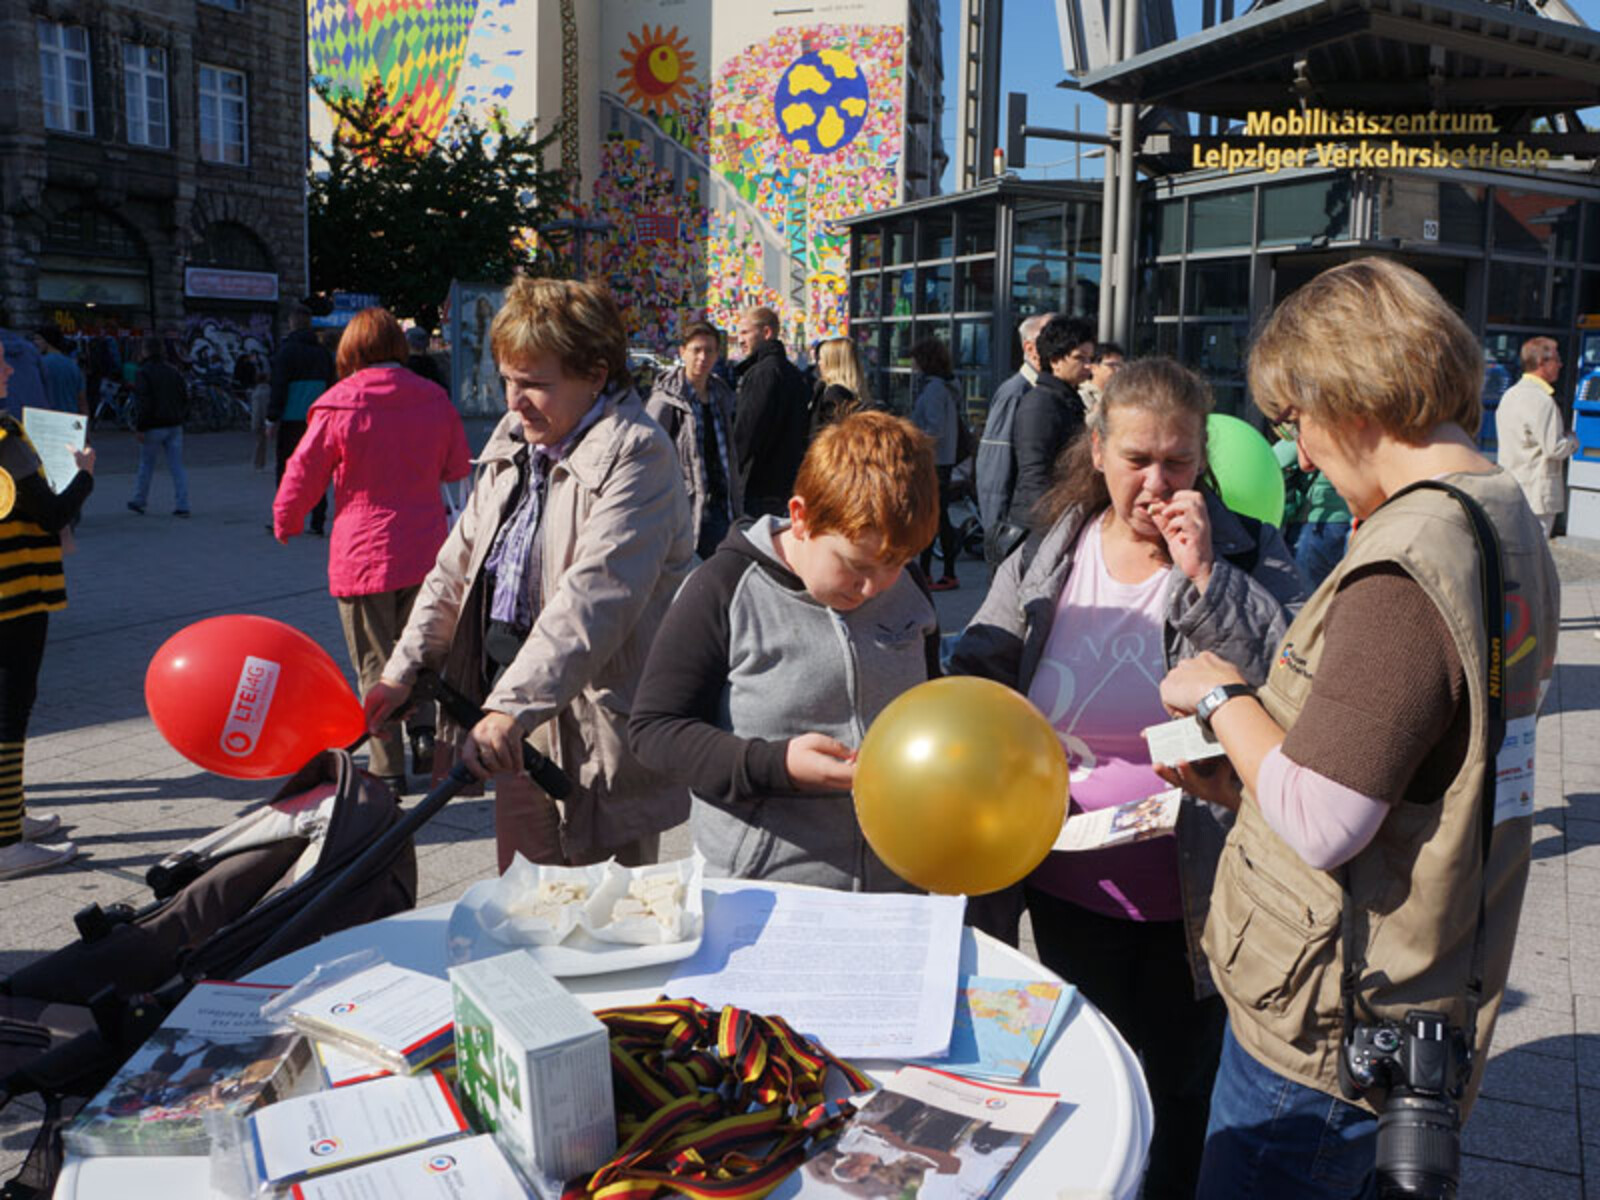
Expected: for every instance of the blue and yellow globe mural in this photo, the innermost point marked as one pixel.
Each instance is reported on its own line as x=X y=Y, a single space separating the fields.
x=821 y=101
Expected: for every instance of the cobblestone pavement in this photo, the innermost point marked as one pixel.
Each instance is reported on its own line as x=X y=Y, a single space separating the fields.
x=127 y=799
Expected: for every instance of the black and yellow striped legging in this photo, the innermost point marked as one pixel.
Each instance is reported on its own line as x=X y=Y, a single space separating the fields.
x=21 y=652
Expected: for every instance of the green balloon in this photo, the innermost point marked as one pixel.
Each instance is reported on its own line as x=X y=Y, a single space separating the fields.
x=1245 y=468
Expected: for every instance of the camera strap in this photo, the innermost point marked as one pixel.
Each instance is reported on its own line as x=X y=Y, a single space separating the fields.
x=1488 y=541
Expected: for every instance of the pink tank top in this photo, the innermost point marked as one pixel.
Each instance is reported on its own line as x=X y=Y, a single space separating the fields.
x=1097 y=684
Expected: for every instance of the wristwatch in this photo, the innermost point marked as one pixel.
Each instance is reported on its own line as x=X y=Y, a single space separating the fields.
x=1216 y=698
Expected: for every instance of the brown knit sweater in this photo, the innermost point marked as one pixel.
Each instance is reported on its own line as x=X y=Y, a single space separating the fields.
x=1388 y=714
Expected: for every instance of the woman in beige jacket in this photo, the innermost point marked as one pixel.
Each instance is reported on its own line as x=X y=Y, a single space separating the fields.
x=548 y=592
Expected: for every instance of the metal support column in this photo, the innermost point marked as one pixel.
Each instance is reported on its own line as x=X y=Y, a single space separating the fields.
x=1122 y=317
x=978 y=113
x=1108 y=191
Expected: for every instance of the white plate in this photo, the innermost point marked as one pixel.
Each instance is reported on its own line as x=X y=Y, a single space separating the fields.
x=466 y=941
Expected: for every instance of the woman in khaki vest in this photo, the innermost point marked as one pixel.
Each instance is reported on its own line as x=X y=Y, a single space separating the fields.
x=1362 y=760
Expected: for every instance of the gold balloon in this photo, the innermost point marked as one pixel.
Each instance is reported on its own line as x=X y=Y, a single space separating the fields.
x=961 y=786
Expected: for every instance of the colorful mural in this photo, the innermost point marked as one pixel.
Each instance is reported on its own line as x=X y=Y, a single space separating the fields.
x=806 y=128
x=415 y=47
x=729 y=145
x=657 y=73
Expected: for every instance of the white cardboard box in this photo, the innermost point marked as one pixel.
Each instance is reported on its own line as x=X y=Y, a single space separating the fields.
x=533 y=1066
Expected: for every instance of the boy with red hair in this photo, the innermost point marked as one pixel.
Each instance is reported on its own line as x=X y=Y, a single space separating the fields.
x=784 y=646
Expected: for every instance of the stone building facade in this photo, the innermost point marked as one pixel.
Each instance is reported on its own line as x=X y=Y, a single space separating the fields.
x=153 y=167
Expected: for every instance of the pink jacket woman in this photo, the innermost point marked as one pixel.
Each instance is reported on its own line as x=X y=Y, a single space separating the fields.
x=387 y=439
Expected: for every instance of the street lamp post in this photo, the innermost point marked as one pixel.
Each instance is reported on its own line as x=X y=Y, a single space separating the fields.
x=580 y=228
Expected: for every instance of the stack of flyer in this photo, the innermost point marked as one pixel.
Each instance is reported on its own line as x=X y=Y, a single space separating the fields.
x=307 y=1137
x=398 y=1018
x=471 y=1167
x=215 y=1054
x=929 y=1134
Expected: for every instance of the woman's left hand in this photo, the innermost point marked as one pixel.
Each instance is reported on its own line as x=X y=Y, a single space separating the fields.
x=1186 y=526
x=1192 y=678
x=1213 y=780
x=494 y=746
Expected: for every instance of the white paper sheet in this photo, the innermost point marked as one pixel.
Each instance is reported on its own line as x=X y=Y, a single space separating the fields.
x=1181 y=741
x=55 y=435
x=867 y=975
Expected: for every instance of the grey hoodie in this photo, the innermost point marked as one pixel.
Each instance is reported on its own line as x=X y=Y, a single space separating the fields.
x=747 y=659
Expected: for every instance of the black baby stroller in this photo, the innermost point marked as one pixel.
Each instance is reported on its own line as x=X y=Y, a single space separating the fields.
x=215 y=903
x=332 y=849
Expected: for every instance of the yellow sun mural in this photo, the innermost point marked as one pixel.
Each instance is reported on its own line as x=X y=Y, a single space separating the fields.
x=657 y=69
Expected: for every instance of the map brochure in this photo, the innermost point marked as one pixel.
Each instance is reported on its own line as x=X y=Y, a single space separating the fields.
x=1153 y=816
x=930 y=1135
x=1002 y=1026
x=214 y=1054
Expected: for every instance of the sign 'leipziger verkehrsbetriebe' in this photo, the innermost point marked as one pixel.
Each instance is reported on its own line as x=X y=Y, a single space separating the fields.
x=1351 y=139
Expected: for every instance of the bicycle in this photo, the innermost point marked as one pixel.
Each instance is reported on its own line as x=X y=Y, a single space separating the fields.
x=213 y=407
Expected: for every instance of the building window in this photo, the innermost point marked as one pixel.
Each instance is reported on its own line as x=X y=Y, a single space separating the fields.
x=144 y=81
x=64 y=77
x=223 y=135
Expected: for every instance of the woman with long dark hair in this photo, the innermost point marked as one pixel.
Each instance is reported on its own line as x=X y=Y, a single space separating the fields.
x=1135 y=565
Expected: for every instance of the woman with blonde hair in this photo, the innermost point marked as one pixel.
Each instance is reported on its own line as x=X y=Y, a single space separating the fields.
x=547 y=594
x=841 y=387
x=386 y=438
x=1371 y=884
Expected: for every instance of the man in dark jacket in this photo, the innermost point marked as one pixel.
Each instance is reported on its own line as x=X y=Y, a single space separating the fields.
x=772 y=422
x=302 y=369
x=420 y=362
x=161 y=401
x=1051 y=413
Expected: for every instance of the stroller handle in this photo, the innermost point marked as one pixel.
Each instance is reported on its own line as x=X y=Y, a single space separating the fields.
x=430 y=685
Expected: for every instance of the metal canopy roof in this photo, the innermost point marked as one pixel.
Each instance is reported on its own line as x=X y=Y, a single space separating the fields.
x=1375 y=55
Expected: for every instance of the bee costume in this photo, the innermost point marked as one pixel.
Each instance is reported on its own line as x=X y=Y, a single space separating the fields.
x=32 y=586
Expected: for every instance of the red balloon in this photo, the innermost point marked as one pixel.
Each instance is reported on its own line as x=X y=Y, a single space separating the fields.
x=249 y=697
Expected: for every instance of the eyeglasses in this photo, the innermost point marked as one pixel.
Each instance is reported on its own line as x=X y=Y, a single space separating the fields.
x=1287 y=426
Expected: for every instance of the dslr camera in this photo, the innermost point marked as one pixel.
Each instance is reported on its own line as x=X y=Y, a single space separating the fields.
x=1418 y=1068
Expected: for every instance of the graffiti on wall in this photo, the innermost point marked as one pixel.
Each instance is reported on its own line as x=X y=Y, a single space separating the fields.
x=212 y=345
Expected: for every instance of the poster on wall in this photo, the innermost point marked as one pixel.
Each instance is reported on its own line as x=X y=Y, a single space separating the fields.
x=474 y=376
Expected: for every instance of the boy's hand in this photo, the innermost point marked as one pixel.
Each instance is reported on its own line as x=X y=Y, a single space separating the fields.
x=819 y=763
